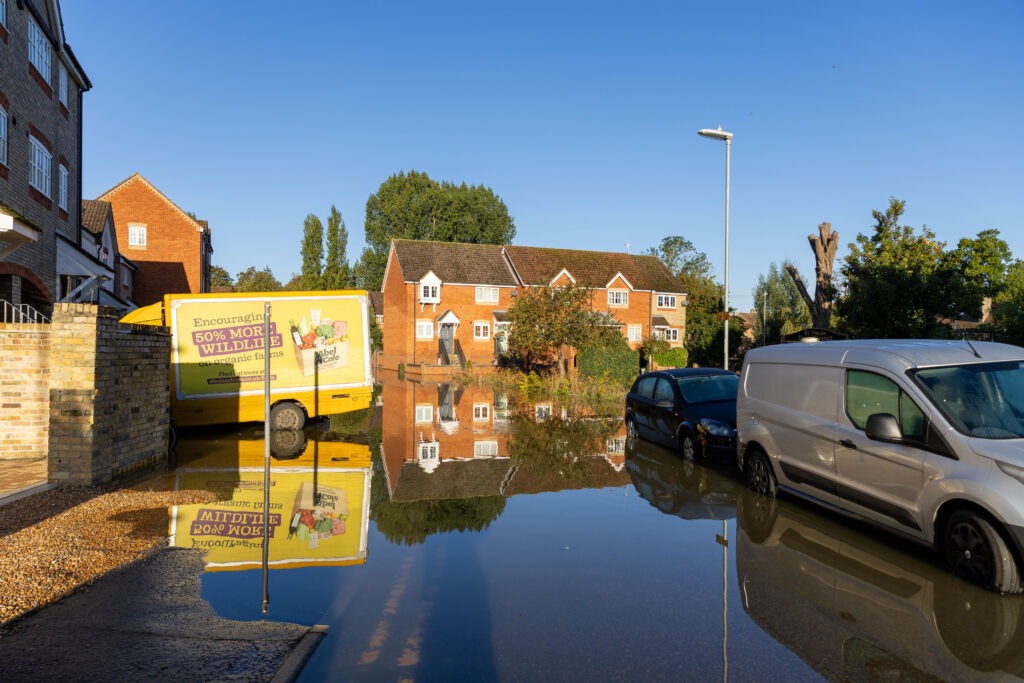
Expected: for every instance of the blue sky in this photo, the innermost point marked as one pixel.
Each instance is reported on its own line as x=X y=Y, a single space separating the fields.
x=581 y=116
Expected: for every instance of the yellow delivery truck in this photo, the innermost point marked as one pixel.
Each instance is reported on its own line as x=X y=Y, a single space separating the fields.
x=319 y=355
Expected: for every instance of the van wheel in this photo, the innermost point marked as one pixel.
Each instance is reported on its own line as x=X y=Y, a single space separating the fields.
x=287 y=415
x=975 y=551
x=688 y=445
x=759 y=473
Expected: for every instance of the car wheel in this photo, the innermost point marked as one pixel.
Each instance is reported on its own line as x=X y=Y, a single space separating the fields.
x=631 y=432
x=759 y=473
x=688 y=445
x=287 y=415
x=975 y=551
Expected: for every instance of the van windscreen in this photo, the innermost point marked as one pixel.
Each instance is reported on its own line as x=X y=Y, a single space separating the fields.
x=984 y=400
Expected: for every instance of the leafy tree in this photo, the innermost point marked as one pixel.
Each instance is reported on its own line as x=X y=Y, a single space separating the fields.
x=556 y=450
x=336 y=273
x=704 y=329
x=312 y=253
x=252 y=280
x=974 y=271
x=786 y=308
x=412 y=206
x=411 y=523
x=895 y=285
x=545 y=320
x=1008 y=305
x=220 y=277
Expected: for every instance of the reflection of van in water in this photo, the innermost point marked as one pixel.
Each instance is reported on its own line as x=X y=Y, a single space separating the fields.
x=855 y=608
x=922 y=437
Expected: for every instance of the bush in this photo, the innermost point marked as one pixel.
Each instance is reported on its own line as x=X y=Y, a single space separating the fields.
x=609 y=358
x=673 y=358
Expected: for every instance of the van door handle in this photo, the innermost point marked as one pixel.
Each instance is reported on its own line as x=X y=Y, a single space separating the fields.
x=848 y=444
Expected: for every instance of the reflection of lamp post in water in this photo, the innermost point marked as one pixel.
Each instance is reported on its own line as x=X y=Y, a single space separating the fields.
x=723 y=541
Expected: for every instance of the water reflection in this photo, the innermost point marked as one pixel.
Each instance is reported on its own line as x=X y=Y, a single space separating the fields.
x=319 y=498
x=854 y=607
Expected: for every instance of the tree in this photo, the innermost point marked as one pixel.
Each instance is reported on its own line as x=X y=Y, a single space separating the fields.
x=778 y=297
x=976 y=270
x=1008 y=305
x=545 y=320
x=824 y=247
x=704 y=329
x=336 y=273
x=312 y=253
x=252 y=280
x=412 y=206
x=220 y=277
x=894 y=283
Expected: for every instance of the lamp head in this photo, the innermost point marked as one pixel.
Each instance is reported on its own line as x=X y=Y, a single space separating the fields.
x=715 y=133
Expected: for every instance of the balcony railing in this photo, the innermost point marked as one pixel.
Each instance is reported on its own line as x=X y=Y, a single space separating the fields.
x=20 y=313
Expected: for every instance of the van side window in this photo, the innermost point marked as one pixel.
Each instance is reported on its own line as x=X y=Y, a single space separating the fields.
x=646 y=386
x=664 y=391
x=868 y=393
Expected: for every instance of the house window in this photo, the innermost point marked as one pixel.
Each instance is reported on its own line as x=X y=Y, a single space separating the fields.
x=616 y=445
x=618 y=297
x=425 y=413
x=3 y=137
x=666 y=301
x=485 y=449
x=62 y=84
x=379 y=318
x=669 y=334
x=38 y=50
x=62 y=187
x=427 y=451
x=481 y=330
x=481 y=412
x=430 y=294
x=137 y=236
x=487 y=295
x=39 y=167
x=635 y=333
x=542 y=411
x=424 y=329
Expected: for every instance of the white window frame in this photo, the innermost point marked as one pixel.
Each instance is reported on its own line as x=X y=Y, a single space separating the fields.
x=635 y=333
x=669 y=334
x=424 y=413
x=481 y=412
x=487 y=295
x=3 y=136
x=481 y=330
x=428 y=451
x=39 y=166
x=615 y=445
x=39 y=50
x=542 y=412
x=666 y=301
x=424 y=329
x=63 y=175
x=137 y=236
x=62 y=84
x=485 y=448
x=430 y=293
x=618 y=298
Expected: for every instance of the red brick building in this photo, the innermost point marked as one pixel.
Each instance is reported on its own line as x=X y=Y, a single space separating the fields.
x=170 y=249
x=446 y=304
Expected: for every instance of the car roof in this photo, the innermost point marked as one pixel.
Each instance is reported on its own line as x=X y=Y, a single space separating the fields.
x=695 y=372
x=895 y=354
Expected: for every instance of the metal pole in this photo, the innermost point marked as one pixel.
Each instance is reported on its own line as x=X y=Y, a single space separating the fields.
x=764 y=320
x=728 y=147
x=266 y=456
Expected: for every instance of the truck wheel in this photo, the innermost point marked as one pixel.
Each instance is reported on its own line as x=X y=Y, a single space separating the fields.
x=975 y=551
x=287 y=415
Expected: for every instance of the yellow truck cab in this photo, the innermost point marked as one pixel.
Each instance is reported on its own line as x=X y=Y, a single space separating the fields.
x=319 y=355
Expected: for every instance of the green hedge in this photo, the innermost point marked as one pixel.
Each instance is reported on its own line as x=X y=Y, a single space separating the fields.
x=612 y=359
x=673 y=358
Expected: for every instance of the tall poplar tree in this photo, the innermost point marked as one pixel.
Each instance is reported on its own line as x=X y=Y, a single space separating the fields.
x=312 y=277
x=336 y=273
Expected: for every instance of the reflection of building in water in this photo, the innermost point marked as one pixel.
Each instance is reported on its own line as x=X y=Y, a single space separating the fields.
x=856 y=608
x=444 y=441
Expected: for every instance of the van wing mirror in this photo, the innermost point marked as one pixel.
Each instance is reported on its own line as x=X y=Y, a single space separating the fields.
x=884 y=427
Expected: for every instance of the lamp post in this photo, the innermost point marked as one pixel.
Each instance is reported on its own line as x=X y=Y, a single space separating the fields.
x=719 y=134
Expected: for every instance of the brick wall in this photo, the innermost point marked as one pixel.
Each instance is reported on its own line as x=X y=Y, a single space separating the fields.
x=105 y=390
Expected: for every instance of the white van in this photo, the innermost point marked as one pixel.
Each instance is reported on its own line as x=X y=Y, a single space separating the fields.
x=922 y=437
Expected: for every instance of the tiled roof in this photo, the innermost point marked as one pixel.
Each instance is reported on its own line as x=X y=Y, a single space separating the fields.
x=454 y=262
x=540 y=265
x=94 y=215
x=377 y=302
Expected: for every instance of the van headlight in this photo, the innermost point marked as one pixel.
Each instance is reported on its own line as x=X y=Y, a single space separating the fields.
x=1011 y=470
x=716 y=428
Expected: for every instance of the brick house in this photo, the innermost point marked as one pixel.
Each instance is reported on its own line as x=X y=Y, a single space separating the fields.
x=170 y=248
x=40 y=154
x=106 y=273
x=446 y=304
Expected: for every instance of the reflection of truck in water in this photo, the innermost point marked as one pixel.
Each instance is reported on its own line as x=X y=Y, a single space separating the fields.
x=858 y=608
x=319 y=355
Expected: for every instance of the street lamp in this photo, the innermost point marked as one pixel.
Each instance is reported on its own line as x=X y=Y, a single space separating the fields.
x=719 y=134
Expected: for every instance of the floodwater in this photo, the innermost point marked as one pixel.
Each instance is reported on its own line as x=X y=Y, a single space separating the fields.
x=450 y=536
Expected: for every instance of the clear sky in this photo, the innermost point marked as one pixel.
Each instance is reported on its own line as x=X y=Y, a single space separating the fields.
x=582 y=116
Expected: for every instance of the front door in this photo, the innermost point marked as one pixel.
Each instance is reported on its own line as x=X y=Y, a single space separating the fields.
x=447 y=337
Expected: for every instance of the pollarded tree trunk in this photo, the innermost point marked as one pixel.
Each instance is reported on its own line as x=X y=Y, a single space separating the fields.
x=824 y=246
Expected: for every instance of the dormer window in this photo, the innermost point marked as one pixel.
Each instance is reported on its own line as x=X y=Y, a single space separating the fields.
x=429 y=294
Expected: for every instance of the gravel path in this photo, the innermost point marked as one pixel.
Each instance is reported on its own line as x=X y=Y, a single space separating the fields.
x=63 y=538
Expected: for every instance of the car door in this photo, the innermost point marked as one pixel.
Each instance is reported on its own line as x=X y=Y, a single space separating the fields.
x=665 y=414
x=642 y=402
x=881 y=481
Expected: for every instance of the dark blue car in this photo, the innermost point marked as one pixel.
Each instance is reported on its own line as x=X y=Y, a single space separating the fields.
x=689 y=409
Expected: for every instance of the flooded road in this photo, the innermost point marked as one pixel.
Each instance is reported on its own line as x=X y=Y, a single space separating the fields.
x=482 y=542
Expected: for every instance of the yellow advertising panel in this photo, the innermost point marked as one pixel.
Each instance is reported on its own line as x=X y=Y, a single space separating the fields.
x=316 y=342
x=318 y=516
